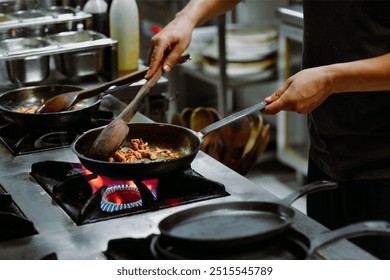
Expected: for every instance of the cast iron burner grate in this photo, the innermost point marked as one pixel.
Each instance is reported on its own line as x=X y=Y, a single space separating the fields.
x=74 y=189
x=14 y=223
x=24 y=140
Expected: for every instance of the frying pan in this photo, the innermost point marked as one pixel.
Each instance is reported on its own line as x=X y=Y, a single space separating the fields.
x=28 y=96
x=181 y=140
x=33 y=95
x=233 y=224
x=290 y=245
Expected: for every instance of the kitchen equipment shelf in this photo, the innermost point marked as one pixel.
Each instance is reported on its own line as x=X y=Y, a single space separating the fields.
x=42 y=16
x=224 y=84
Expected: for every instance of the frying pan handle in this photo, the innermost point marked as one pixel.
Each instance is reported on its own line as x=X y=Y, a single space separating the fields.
x=232 y=118
x=376 y=228
x=309 y=188
x=122 y=81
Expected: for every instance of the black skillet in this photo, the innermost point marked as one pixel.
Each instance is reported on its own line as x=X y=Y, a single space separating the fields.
x=233 y=224
x=11 y=100
x=290 y=245
x=182 y=140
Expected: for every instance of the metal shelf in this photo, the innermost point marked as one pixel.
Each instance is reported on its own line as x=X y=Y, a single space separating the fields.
x=46 y=18
x=222 y=82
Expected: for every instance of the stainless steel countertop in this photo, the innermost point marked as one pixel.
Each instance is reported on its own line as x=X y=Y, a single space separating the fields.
x=59 y=234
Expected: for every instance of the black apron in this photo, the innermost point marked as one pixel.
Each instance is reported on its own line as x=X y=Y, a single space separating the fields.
x=349 y=132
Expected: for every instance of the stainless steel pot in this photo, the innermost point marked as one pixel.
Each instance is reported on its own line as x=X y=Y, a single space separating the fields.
x=78 y=63
x=31 y=69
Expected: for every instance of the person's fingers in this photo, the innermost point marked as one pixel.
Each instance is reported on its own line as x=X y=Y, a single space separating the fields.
x=159 y=46
x=275 y=105
x=155 y=59
x=171 y=59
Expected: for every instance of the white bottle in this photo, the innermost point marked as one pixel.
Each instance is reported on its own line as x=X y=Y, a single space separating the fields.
x=98 y=9
x=124 y=27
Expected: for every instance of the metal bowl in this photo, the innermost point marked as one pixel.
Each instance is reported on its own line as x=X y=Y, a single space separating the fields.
x=31 y=69
x=78 y=63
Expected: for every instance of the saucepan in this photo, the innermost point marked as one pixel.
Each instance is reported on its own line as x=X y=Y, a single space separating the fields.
x=184 y=141
x=289 y=245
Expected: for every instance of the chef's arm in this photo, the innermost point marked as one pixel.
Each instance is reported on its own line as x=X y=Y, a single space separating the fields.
x=169 y=44
x=307 y=89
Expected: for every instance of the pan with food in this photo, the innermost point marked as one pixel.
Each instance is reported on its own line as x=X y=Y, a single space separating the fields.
x=19 y=106
x=180 y=140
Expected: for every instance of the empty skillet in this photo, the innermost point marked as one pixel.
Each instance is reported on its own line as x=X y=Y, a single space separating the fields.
x=233 y=224
x=290 y=245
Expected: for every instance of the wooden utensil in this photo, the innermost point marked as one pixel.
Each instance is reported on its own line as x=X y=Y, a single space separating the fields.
x=64 y=101
x=112 y=136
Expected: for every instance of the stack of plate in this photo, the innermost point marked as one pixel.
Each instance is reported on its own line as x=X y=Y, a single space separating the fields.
x=249 y=51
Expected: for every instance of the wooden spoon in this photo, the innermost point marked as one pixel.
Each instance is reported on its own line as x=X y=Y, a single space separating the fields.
x=64 y=101
x=112 y=136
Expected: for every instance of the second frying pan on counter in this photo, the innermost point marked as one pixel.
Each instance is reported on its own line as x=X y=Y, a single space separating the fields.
x=289 y=245
x=232 y=224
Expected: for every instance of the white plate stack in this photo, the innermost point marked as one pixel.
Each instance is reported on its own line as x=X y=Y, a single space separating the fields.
x=249 y=51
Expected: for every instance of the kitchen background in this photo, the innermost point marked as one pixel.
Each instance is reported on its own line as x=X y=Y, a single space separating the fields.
x=243 y=75
x=237 y=60
x=247 y=73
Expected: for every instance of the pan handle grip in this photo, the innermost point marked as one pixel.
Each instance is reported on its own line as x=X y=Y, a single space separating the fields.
x=309 y=188
x=231 y=118
x=376 y=228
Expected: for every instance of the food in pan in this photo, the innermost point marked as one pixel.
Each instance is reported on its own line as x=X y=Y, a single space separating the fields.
x=31 y=109
x=27 y=109
x=139 y=151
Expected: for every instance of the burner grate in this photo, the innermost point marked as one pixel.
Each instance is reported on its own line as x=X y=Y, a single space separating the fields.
x=73 y=189
x=14 y=224
x=23 y=140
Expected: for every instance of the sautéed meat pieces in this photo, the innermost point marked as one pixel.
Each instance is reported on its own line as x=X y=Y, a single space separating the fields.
x=140 y=151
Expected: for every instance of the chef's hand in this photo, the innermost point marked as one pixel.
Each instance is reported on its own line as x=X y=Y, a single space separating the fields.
x=169 y=44
x=301 y=93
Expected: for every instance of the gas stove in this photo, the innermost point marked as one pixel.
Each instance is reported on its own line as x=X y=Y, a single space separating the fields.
x=63 y=221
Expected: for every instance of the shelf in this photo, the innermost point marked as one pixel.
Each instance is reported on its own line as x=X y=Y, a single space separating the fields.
x=231 y=82
x=52 y=47
x=42 y=17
